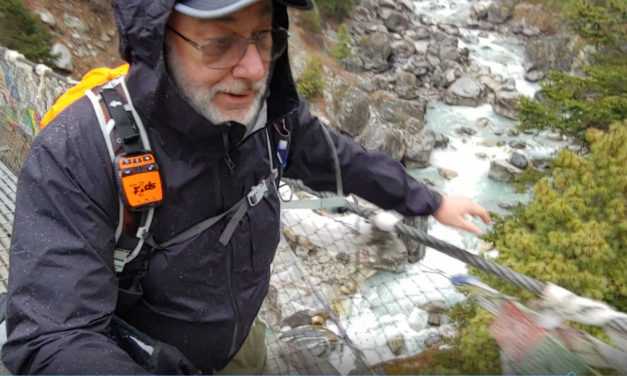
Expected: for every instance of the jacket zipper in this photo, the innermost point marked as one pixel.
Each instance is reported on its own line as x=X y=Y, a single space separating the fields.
x=229 y=263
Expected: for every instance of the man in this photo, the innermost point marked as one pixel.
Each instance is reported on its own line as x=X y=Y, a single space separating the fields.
x=209 y=79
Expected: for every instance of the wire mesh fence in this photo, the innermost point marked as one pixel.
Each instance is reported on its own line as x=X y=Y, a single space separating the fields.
x=344 y=297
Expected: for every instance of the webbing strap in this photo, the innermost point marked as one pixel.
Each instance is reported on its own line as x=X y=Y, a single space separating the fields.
x=254 y=197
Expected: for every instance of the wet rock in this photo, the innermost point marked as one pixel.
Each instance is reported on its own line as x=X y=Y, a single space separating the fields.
x=465 y=91
x=500 y=143
x=535 y=75
x=353 y=108
x=63 y=57
x=509 y=85
x=406 y=85
x=419 y=149
x=484 y=123
x=374 y=51
x=488 y=143
x=466 y=130
x=513 y=132
x=505 y=103
x=399 y=111
x=501 y=170
x=481 y=155
x=395 y=21
x=508 y=206
x=433 y=339
x=384 y=251
x=396 y=344
x=447 y=174
x=517 y=144
x=315 y=339
x=519 y=160
x=499 y=12
x=540 y=163
x=479 y=9
x=441 y=141
x=493 y=83
x=297 y=319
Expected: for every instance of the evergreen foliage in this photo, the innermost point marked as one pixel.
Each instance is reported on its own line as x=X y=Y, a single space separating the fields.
x=574 y=231
x=22 y=32
x=311 y=82
x=473 y=352
x=572 y=104
x=342 y=49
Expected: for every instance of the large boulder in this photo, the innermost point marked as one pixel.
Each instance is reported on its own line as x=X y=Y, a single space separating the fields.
x=501 y=11
x=504 y=103
x=502 y=170
x=479 y=9
x=394 y=20
x=374 y=51
x=419 y=149
x=353 y=109
x=385 y=139
x=406 y=85
x=554 y=52
x=465 y=91
x=398 y=112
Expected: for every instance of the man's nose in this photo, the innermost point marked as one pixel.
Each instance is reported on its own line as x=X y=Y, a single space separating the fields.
x=250 y=67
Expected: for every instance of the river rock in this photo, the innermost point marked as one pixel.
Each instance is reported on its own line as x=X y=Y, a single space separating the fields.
x=398 y=111
x=481 y=155
x=63 y=57
x=396 y=344
x=479 y=9
x=505 y=103
x=353 y=109
x=535 y=75
x=509 y=85
x=501 y=170
x=298 y=318
x=484 y=123
x=384 y=251
x=519 y=160
x=446 y=173
x=465 y=91
x=491 y=82
x=517 y=144
x=315 y=339
x=394 y=20
x=374 y=51
x=419 y=149
x=406 y=85
x=501 y=11
x=466 y=130
x=441 y=141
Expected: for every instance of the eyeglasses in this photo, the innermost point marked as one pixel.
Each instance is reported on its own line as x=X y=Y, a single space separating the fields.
x=225 y=52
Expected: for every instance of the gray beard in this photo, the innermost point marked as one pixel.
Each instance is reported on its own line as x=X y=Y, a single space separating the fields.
x=200 y=98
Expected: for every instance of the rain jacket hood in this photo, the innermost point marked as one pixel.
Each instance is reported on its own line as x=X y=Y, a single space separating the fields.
x=141 y=26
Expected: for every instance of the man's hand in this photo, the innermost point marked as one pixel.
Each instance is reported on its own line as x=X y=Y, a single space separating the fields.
x=453 y=210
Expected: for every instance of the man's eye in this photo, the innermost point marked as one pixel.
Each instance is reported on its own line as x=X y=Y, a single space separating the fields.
x=218 y=46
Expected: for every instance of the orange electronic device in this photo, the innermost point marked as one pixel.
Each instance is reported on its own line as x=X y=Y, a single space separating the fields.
x=139 y=179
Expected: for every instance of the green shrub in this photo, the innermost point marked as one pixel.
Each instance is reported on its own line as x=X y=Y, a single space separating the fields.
x=20 y=31
x=311 y=82
x=336 y=9
x=342 y=49
x=574 y=231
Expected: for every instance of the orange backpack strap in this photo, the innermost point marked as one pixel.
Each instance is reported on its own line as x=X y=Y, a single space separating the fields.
x=90 y=80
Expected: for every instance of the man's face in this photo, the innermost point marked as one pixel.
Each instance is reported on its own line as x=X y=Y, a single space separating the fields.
x=232 y=94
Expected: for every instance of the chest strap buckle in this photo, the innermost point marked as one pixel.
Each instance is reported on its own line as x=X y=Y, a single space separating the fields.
x=257 y=193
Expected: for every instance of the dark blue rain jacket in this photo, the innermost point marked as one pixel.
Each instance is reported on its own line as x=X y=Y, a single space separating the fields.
x=198 y=296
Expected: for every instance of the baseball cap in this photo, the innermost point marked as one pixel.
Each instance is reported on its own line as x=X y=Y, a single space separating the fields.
x=220 y=8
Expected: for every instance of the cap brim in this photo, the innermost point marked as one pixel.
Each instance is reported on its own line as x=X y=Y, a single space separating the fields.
x=221 y=8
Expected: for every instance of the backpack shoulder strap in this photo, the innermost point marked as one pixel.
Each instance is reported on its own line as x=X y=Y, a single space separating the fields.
x=123 y=132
